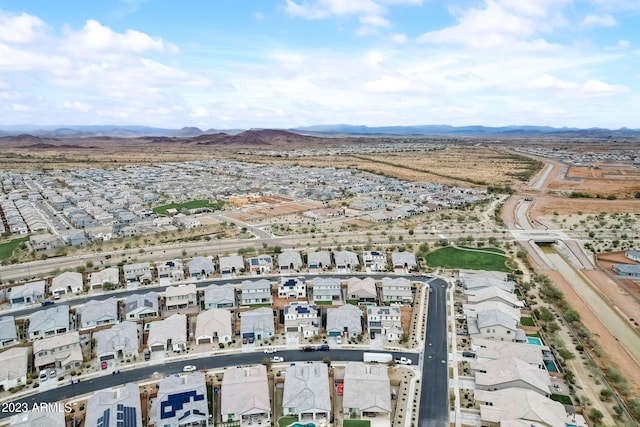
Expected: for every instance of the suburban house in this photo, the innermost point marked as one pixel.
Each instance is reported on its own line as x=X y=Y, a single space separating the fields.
x=346 y=261
x=214 y=324
x=472 y=310
x=522 y=407
x=628 y=270
x=98 y=312
x=491 y=350
x=260 y=264
x=121 y=404
x=367 y=391
x=100 y=278
x=219 y=296
x=29 y=293
x=13 y=369
x=361 y=291
x=368 y=204
x=345 y=320
x=318 y=261
x=180 y=297
x=67 y=282
x=510 y=372
x=8 y=332
x=633 y=255
x=48 y=322
x=374 y=261
x=257 y=324
x=37 y=418
x=493 y=294
x=45 y=242
x=306 y=392
x=256 y=292
x=327 y=290
x=59 y=352
x=396 y=291
x=301 y=318
x=170 y=333
x=201 y=267
x=231 y=265
x=495 y=325
x=292 y=287
x=472 y=280
x=120 y=342
x=245 y=396
x=289 y=261
x=140 y=306
x=403 y=262
x=170 y=271
x=136 y=274
x=181 y=401
x=386 y=321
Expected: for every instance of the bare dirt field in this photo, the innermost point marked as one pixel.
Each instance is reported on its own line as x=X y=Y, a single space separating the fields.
x=546 y=205
x=260 y=213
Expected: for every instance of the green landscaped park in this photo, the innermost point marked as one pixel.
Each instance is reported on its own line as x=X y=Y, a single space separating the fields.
x=7 y=248
x=193 y=204
x=477 y=259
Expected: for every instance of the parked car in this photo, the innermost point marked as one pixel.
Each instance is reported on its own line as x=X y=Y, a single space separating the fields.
x=270 y=350
x=277 y=359
x=403 y=361
x=47 y=302
x=189 y=368
x=338 y=340
x=323 y=347
x=340 y=389
x=43 y=375
x=52 y=373
x=244 y=340
x=308 y=348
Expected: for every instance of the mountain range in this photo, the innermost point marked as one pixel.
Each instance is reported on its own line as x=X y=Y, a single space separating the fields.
x=324 y=131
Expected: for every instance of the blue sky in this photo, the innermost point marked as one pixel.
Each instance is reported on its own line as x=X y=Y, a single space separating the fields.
x=284 y=63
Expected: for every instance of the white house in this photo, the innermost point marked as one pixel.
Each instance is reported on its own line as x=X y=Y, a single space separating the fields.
x=137 y=273
x=318 y=261
x=306 y=392
x=495 y=325
x=108 y=275
x=403 y=262
x=120 y=342
x=180 y=297
x=29 y=293
x=633 y=255
x=289 y=261
x=493 y=294
x=201 y=267
x=59 y=352
x=170 y=333
x=362 y=291
x=344 y=320
x=170 y=271
x=219 y=296
x=13 y=369
x=231 y=265
x=181 y=401
x=396 y=291
x=214 y=324
x=117 y=407
x=67 y=282
x=98 y=312
x=374 y=261
x=367 y=392
x=140 y=306
x=327 y=290
x=510 y=372
x=292 y=287
x=8 y=332
x=245 y=395
x=346 y=261
x=257 y=324
x=49 y=322
x=301 y=318
x=260 y=264
x=386 y=321
x=256 y=292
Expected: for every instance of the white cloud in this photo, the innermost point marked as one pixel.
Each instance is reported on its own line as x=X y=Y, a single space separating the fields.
x=75 y=105
x=97 y=38
x=19 y=28
x=577 y=90
x=599 y=21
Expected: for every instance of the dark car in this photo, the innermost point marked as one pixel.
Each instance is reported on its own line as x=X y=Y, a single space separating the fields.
x=47 y=302
x=308 y=348
x=323 y=347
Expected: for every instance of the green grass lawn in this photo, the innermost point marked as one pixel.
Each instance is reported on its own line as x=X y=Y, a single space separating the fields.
x=6 y=249
x=527 y=321
x=356 y=423
x=285 y=421
x=193 y=204
x=450 y=257
x=481 y=248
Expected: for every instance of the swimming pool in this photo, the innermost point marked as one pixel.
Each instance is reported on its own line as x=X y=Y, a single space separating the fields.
x=302 y=425
x=534 y=340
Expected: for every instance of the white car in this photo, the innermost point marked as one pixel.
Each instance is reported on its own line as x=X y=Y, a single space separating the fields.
x=338 y=340
x=270 y=350
x=277 y=359
x=43 y=375
x=189 y=368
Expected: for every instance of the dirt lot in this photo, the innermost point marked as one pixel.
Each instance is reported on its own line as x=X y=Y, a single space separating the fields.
x=546 y=205
x=262 y=212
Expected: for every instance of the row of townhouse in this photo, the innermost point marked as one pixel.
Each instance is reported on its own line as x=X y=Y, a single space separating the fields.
x=513 y=383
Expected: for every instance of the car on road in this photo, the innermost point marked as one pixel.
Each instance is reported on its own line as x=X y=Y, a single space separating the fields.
x=277 y=359
x=308 y=348
x=47 y=302
x=323 y=347
x=340 y=389
x=270 y=350
x=188 y=368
